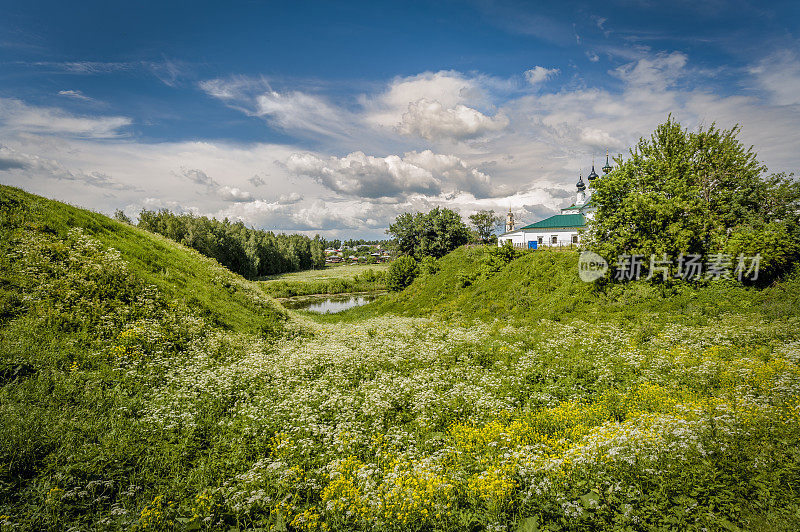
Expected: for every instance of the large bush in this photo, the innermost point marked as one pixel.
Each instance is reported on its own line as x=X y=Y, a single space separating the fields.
x=401 y=273
x=684 y=192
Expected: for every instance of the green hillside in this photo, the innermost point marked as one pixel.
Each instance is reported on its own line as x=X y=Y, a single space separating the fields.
x=545 y=285
x=143 y=387
x=210 y=290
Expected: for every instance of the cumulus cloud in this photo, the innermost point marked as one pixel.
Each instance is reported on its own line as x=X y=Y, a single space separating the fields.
x=290 y=199
x=14 y=160
x=540 y=74
x=256 y=181
x=223 y=192
x=447 y=88
x=326 y=217
x=358 y=174
x=431 y=120
x=227 y=193
x=532 y=141
x=18 y=117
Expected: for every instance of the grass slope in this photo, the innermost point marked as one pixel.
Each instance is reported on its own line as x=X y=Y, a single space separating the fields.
x=545 y=285
x=220 y=297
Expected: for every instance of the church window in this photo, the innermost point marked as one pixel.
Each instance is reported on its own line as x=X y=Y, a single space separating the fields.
x=554 y=239
x=574 y=239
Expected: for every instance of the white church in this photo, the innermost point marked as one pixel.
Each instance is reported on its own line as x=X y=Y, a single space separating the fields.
x=559 y=230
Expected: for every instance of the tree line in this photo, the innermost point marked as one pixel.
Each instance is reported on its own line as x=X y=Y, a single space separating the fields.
x=249 y=252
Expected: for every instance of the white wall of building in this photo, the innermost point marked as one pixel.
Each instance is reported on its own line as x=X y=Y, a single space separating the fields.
x=550 y=237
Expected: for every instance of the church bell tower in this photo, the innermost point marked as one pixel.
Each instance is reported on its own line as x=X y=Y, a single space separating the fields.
x=509 y=221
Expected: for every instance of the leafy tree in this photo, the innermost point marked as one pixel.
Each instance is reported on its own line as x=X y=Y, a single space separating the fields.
x=401 y=273
x=434 y=234
x=406 y=232
x=120 y=216
x=688 y=192
x=484 y=223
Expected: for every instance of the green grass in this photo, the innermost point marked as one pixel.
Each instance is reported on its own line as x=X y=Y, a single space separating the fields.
x=545 y=285
x=332 y=280
x=330 y=272
x=222 y=298
x=149 y=389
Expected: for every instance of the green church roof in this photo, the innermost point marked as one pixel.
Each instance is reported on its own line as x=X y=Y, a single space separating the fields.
x=559 y=221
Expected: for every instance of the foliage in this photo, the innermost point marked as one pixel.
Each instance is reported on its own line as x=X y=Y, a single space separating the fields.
x=494 y=259
x=433 y=234
x=684 y=192
x=484 y=223
x=773 y=243
x=368 y=280
x=120 y=216
x=246 y=251
x=429 y=265
x=401 y=273
x=639 y=408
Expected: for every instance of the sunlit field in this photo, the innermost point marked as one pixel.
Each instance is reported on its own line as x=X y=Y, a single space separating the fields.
x=330 y=272
x=126 y=404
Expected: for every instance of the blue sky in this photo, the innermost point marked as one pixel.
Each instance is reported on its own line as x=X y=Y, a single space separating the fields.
x=335 y=117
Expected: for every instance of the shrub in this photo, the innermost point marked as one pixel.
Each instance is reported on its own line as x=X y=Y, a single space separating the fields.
x=429 y=265
x=772 y=243
x=401 y=273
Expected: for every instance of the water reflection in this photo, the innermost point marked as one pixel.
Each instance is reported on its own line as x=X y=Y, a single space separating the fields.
x=329 y=305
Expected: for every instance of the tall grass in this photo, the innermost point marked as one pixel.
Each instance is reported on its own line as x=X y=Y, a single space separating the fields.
x=143 y=387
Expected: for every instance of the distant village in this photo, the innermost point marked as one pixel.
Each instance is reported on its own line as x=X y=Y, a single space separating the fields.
x=360 y=254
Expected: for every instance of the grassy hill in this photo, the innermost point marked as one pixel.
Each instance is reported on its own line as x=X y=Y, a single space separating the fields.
x=220 y=297
x=545 y=285
x=143 y=387
x=93 y=313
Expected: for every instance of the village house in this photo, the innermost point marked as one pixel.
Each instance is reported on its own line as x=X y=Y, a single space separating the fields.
x=558 y=230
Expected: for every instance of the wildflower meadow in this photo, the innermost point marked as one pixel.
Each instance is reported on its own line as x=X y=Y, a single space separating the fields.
x=129 y=404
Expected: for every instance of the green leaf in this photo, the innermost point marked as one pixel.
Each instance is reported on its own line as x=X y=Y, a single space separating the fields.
x=590 y=499
x=529 y=524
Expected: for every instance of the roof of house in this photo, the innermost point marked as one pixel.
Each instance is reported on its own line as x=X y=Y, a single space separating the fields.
x=566 y=221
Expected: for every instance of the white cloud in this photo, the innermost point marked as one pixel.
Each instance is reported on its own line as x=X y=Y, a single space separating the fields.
x=77 y=95
x=431 y=120
x=393 y=176
x=300 y=113
x=464 y=141
x=290 y=199
x=447 y=88
x=223 y=192
x=779 y=76
x=257 y=181
x=25 y=164
x=234 y=194
x=656 y=73
x=18 y=117
x=540 y=74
